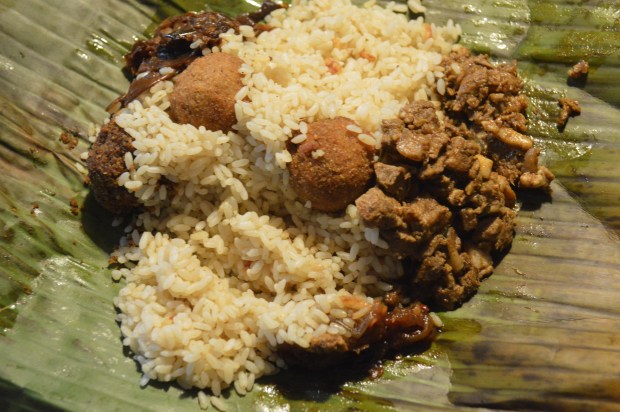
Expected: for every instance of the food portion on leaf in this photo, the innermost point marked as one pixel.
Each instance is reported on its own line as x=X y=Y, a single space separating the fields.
x=305 y=188
x=177 y=42
x=444 y=200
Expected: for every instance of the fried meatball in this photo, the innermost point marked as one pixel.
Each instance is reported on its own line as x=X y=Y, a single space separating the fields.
x=332 y=167
x=204 y=94
x=106 y=162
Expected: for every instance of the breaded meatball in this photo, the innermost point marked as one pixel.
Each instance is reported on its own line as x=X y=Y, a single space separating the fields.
x=204 y=94
x=106 y=162
x=332 y=167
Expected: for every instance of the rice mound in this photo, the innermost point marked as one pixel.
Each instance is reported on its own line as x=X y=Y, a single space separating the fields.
x=226 y=264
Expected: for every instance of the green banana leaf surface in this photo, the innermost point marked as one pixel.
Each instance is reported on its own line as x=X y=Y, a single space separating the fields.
x=543 y=333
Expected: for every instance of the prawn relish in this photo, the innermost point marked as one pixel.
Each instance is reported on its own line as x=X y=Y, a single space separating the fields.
x=229 y=271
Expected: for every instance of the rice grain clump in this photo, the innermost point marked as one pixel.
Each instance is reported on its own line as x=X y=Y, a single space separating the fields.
x=225 y=264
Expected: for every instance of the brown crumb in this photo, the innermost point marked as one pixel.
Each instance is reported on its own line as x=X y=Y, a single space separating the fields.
x=69 y=139
x=113 y=260
x=519 y=272
x=75 y=207
x=570 y=108
x=428 y=31
x=376 y=371
x=35 y=207
x=371 y=58
x=261 y=27
x=333 y=66
x=579 y=70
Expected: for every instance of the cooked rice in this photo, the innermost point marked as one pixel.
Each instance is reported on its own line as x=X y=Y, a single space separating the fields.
x=226 y=263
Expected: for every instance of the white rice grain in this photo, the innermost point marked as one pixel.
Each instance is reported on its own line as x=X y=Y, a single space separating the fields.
x=203 y=400
x=441 y=86
x=218 y=403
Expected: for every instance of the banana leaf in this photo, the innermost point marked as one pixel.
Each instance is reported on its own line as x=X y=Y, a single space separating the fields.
x=543 y=333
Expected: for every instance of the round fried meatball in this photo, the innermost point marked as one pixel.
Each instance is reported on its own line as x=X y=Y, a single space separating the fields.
x=204 y=94
x=332 y=167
